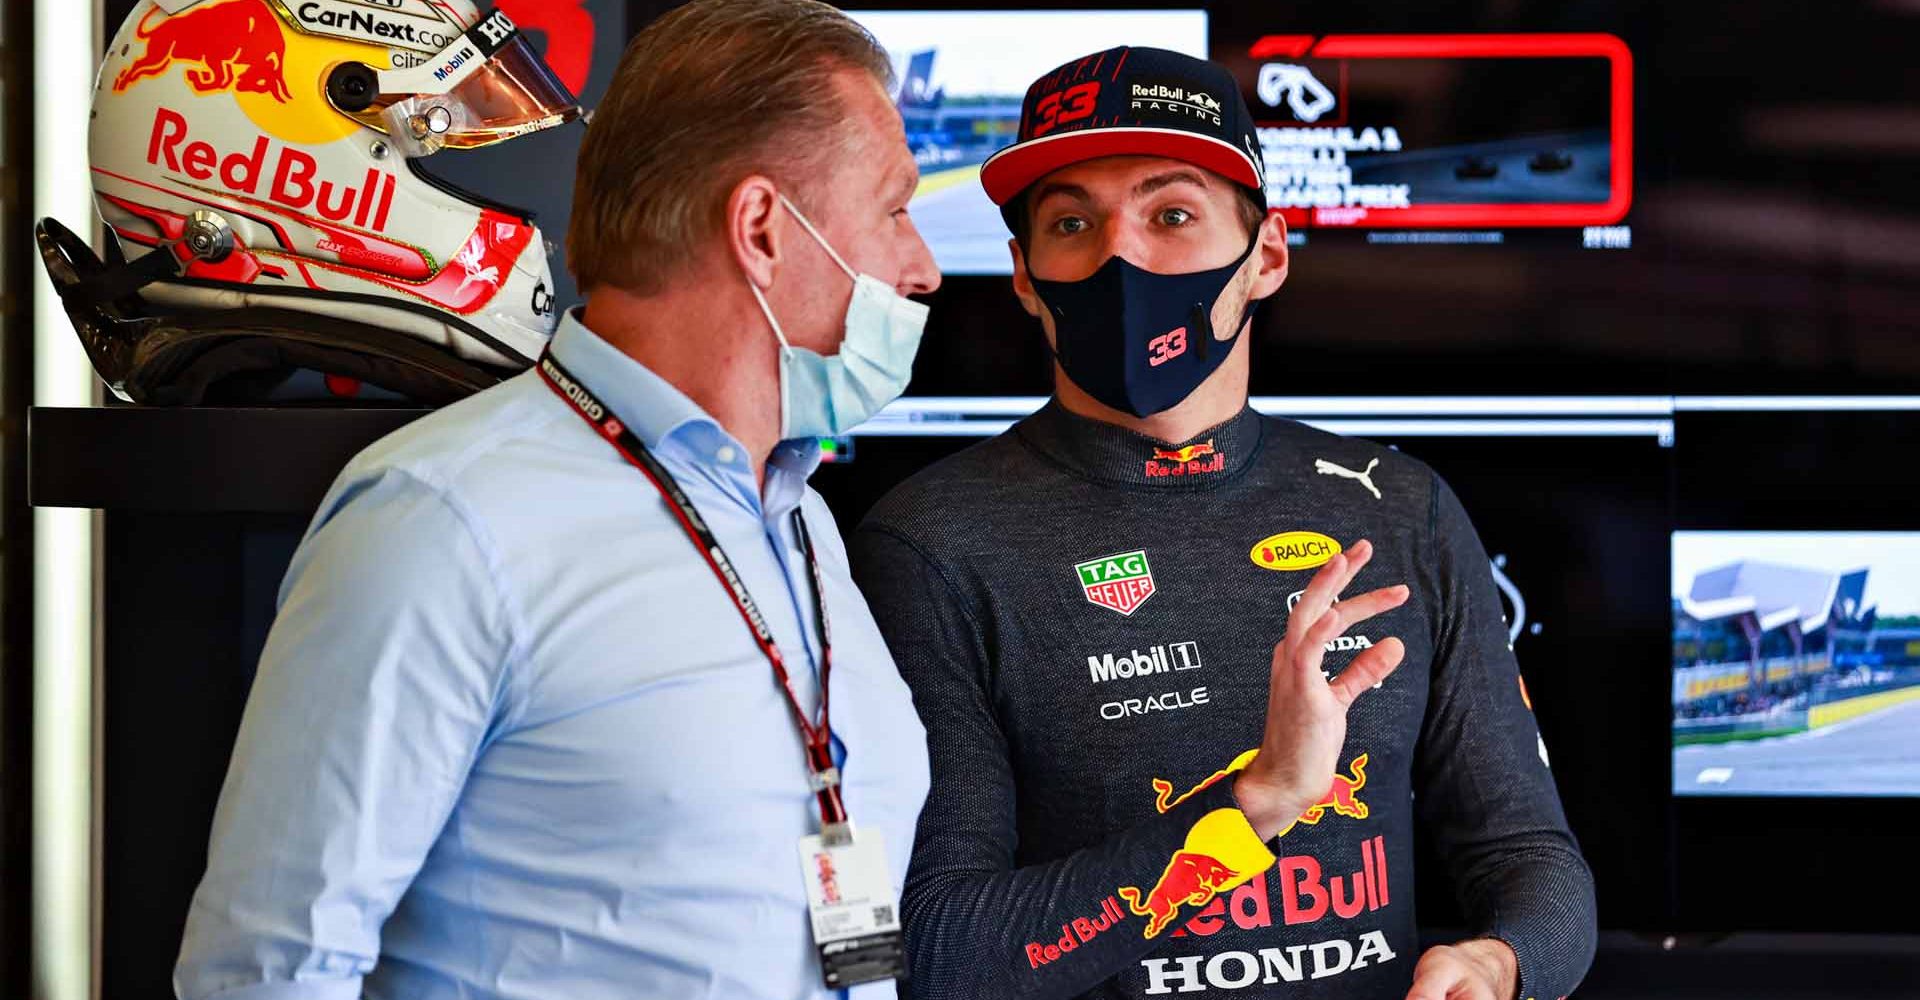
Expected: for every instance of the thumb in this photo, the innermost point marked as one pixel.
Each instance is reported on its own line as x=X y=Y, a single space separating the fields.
x=1433 y=981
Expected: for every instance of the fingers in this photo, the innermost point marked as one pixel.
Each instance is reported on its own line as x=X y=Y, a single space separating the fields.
x=1436 y=978
x=1326 y=587
x=1367 y=669
x=1355 y=610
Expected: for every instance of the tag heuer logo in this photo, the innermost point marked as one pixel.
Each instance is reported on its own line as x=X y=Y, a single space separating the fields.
x=1118 y=582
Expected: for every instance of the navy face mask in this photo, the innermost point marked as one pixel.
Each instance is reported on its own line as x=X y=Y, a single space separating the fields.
x=1138 y=341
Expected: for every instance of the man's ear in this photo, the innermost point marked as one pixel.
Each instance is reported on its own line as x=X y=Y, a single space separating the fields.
x=755 y=228
x=1270 y=257
x=1023 y=282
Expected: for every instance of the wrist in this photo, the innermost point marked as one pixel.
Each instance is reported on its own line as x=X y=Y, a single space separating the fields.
x=1264 y=808
x=1497 y=960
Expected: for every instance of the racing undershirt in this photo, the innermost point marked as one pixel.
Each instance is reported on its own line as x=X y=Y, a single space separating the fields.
x=1086 y=618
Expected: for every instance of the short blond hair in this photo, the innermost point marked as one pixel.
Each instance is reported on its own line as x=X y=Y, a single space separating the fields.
x=709 y=92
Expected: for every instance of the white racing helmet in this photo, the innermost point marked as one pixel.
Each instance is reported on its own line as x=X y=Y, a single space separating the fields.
x=259 y=164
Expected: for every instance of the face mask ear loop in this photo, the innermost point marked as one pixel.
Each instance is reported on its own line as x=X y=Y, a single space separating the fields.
x=1201 y=322
x=817 y=238
x=768 y=313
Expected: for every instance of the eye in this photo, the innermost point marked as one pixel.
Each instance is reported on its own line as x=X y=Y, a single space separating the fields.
x=1069 y=225
x=1175 y=217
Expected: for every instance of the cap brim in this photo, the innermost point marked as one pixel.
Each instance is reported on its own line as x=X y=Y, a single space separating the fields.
x=1011 y=170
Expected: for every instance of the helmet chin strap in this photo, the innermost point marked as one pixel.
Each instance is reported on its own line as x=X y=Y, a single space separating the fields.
x=207 y=238
x=182 y=357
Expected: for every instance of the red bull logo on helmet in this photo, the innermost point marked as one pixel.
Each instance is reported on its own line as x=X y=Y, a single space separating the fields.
x=237 y=45
x=292 y=181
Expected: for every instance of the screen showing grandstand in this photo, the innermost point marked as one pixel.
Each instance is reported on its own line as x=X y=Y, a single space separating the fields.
x=960 y=78
x=1796 y=663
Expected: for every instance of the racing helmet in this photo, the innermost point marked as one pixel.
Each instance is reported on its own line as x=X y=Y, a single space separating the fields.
x=259 y=165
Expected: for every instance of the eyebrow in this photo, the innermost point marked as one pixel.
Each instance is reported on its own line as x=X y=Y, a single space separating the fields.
x=1052 y=188
x=1158 y=181
x=1146 y=186
x=909 y=180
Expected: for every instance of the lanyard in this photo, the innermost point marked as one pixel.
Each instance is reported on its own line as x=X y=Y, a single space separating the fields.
x=817 y=736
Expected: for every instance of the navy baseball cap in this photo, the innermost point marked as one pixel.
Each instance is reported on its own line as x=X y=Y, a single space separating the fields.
x=1130 y=101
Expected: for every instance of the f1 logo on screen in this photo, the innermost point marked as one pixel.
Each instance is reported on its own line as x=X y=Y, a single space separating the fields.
x=568 y=28
x=1576 y=170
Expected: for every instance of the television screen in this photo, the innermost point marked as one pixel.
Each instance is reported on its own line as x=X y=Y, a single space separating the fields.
x=960 y=77
x=1454 y=137
x=1796 y=663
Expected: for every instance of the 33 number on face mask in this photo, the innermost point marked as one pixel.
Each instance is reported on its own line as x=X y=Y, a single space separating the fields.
x=1166 y=347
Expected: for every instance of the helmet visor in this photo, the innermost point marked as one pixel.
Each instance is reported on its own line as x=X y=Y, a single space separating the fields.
x=488 y=86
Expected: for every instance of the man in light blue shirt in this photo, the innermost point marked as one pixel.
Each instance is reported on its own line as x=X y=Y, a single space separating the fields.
x=510 y=737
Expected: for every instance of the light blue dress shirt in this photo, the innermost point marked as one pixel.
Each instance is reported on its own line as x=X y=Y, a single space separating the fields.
x=511 y=739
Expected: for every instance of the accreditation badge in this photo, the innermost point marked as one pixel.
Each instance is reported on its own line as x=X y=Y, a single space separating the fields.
x=856 y=917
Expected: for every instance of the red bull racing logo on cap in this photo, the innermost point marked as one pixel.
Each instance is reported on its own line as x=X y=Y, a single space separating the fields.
x=234 y=46
x=1119 y=582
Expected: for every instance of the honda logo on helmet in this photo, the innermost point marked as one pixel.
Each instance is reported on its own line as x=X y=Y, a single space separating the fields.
x=497 y=28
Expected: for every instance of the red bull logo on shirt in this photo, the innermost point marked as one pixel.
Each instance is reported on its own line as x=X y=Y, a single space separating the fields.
x=1075 y=933
x=238 y=45
x=1191 y=878
x=1119 y=582
x=1343 y=796
x=1192 y=460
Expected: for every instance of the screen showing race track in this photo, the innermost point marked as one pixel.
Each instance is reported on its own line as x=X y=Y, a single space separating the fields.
x=1796 y=663
x=960 y=76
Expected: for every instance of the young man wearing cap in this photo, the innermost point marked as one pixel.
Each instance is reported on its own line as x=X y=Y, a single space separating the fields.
x=1135 y=791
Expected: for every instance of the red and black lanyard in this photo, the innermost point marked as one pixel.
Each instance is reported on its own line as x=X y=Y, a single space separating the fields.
x=817 y=735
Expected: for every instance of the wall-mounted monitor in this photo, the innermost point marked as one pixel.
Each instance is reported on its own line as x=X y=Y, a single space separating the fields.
x=960 y=77
x=1796 y=663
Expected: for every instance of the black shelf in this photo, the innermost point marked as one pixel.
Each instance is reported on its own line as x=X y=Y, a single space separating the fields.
x=197 y=459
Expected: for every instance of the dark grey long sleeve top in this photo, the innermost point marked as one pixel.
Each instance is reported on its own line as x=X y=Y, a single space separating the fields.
x=1086 y=618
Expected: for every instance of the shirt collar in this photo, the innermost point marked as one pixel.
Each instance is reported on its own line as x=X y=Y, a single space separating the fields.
x=1113 y=454
x=649 y=405
x=658 y=412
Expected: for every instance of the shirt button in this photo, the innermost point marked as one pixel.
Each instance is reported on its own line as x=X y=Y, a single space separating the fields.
x=724 y=456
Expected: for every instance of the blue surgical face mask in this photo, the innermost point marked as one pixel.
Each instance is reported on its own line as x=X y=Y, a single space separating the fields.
x=1137 y=341
x=826 y=397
